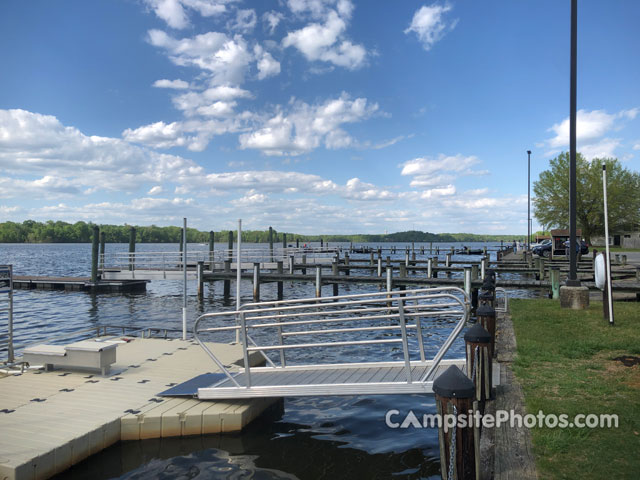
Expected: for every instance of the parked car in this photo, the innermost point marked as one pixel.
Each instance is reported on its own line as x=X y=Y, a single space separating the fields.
x=581 y=247
x=543 y=249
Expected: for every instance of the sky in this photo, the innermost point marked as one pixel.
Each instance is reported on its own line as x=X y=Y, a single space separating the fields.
x=311 y=116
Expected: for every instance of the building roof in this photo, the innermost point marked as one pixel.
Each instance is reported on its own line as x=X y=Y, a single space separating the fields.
x=564 y=232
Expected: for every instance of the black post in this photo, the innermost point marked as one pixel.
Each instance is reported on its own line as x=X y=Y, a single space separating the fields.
x=95 y=246
x=211 y=248
x=271 y=243
x=132 y=247
x=573 y=271
x=528 y=199
x=102 y=242
x=284 y=240
x=230 y=245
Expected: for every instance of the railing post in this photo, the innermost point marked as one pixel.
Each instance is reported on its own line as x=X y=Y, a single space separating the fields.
x=479 y=361
x=245 y=353
x=318 y=281
x=380 y=266
x=405 y=341
x=256 y=281
x=454 y=394
x=483 y=266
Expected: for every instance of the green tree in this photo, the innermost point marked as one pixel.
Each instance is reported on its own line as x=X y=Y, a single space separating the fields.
x=551 y=203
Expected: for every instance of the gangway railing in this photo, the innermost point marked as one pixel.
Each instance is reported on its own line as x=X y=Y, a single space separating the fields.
x=385 y=343
x=6 y=308
x=173 y=261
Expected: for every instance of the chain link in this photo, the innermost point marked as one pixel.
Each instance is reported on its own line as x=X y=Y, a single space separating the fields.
x=452 y=445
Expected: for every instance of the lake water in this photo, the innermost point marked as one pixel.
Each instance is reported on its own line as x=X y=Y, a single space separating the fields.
x=324 y=437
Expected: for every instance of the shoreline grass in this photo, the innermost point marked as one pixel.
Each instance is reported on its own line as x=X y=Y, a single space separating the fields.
x=566 y=365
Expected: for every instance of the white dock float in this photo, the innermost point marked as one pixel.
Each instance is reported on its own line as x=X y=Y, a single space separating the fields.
x=50 y=420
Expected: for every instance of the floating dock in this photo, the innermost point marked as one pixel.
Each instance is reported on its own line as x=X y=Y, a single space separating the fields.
x=51 y=420
x=79 y=284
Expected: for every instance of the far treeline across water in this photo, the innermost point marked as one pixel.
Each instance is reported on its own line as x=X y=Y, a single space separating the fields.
x=31 y=231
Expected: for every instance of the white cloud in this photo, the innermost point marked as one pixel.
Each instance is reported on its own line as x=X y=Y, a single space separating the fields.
x=325 y=42
x=272 y=19
x=636 y=146
x=34 y=144
x=226 y=59
x=267 y=65
x=438 y=192
x=305 y=127
x=429 y=25
x=431 y=171
x=174 y=12
x=358 y=190
x=175 y=84
x=589 y=126
x=156 y=190
x=245 y=21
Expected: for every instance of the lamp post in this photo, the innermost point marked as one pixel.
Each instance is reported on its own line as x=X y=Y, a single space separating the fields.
x=528 y=199
x=573 y=257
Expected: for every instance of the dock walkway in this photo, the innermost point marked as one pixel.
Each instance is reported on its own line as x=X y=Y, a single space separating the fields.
x=52 y=420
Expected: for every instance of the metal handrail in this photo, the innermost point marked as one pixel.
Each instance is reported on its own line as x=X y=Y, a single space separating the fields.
x=504 y=309
x=401 y=306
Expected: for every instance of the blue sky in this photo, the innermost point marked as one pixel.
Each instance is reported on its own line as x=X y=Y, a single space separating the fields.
x=313 y=116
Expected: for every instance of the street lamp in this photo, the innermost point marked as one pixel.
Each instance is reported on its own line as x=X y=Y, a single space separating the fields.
x=528 y=199
x=573 y=281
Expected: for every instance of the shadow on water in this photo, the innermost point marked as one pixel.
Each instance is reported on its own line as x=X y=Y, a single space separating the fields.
x=330 y=438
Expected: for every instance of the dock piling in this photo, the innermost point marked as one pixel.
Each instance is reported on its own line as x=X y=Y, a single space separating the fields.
x=132 y=248
x=227 y=283
x=454 y=394
x=200 y=277
x=256 y=281
x=102 y=245
x=211 y=248
x=555 y=282
x=479 y=369
x=318 y=282
x=280 y=269
x=95 y=249
x=487 y=318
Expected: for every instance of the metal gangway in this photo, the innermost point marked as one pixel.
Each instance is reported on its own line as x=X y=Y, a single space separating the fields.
x=386 y=344
x=169 y=265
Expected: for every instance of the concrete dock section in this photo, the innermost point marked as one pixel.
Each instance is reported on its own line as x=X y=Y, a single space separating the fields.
x=50 y=420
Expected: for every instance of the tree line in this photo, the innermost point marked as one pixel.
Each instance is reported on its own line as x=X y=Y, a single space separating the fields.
x=31 y=231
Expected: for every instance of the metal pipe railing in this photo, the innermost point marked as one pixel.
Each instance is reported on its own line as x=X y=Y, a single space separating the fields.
x=400 y=307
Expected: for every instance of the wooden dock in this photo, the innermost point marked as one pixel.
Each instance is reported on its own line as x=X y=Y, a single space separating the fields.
x=52 y=420
x=78 y=284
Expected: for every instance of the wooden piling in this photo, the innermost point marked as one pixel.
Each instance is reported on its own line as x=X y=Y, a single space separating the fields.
x=487 y=318
x=467 y=281
x=335 y=289
x=292 y=263
x=227 y=283
x=318 y=282
x=271 y=243
x=555 y=282
x=102 y=247
x=280 y=269
x=389 y=279
x=483 y=267
x=211 y=248
x=230 y=245
x=454 y=394
x=256 y=281
x=200 y=279
x=403 y=271
x=284 y=240
x=474 y=271
x=541 y=268
x=304 y=262
x=346 y=264
x=95 y=252
x=379 y=266
x=132 y=248
x=430 y=268
x=334 y=268
x=479 y=361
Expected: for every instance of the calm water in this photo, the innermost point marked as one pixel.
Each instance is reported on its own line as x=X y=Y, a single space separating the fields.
x=327 y=437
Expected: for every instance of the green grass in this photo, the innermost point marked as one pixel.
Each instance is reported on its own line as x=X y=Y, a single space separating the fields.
x=602 y=248
x=565 y=364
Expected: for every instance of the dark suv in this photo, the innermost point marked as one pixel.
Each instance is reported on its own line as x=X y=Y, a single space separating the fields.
x=544 y=249
x=584 y=248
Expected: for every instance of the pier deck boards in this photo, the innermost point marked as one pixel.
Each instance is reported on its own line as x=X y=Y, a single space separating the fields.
x=52 y=420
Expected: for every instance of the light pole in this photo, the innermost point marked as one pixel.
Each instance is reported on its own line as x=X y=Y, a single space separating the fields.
x=573 y=281
x=528 y=198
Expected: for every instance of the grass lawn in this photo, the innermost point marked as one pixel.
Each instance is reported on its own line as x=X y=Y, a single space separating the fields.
x=566 y=364
x=615 y=249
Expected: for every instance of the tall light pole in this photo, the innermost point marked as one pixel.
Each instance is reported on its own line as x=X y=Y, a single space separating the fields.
x=573 y=281
x=528 y=198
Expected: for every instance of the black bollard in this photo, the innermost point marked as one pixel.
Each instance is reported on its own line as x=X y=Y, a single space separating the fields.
x=479 y=361
x=487 y=318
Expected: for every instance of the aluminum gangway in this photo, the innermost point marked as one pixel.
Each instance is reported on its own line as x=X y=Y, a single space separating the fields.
x=373 y=343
